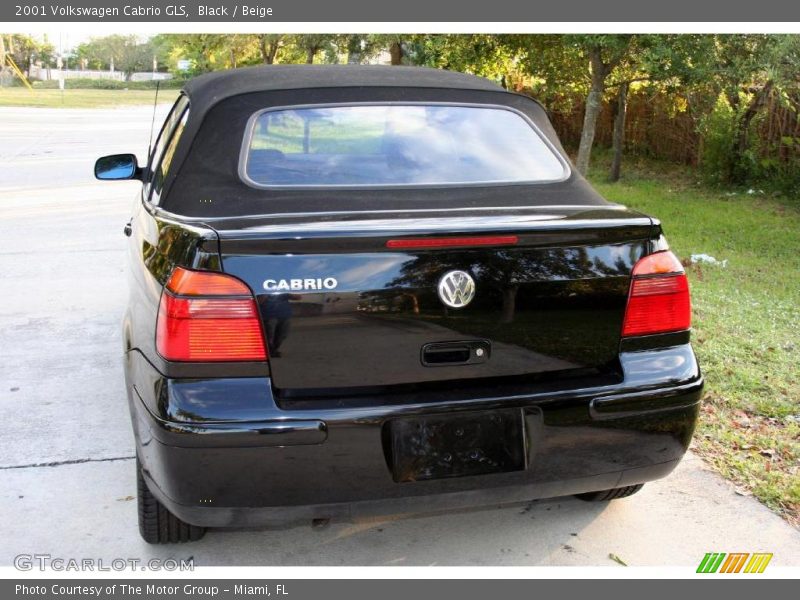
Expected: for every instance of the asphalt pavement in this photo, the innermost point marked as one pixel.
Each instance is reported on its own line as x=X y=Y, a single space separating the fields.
x=67 y=484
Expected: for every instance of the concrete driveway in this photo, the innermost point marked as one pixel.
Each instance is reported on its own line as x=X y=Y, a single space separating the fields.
x=66 y=452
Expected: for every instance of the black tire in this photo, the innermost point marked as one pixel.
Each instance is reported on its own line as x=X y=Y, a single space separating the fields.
x=613 y=494
x=156 y=524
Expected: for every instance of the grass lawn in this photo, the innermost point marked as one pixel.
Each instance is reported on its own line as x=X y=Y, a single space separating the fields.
x=19 y=96
x=746 y=320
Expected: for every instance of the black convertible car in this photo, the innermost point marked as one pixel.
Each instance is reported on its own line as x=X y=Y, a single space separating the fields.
x=385 y=289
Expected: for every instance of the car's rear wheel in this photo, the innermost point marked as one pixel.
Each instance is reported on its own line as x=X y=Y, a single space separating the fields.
x=612 y=494
x=156 y=524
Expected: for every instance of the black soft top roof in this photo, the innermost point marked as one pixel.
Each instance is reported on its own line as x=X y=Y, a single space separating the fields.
x=284 y=77
x=205 y=182
x=207 y=90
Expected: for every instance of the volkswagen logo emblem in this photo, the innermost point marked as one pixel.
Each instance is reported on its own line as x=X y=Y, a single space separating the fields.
x=456 y=289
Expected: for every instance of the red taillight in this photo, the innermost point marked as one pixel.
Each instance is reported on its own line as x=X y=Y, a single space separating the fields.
x=205 y=283
x=452 y=242
x=208 y=317
x=658 y=301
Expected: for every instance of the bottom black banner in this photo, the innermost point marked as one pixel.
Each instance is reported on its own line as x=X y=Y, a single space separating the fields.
x=384 y=589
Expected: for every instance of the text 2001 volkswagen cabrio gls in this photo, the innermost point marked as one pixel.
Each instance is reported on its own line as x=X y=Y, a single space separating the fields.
x=384 y=289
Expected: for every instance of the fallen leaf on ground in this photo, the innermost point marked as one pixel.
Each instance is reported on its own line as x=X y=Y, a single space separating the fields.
x=617 y=559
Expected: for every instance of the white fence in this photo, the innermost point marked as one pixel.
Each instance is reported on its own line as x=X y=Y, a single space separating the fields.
x=45 y=74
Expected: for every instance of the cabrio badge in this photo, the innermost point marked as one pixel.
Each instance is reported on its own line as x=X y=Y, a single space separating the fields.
x=456 y=289
x=300 y=285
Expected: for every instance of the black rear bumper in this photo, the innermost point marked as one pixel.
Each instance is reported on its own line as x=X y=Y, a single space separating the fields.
x=223 y=452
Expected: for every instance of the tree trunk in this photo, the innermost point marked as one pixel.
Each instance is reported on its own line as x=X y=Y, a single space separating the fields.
x=594 y=102
x=737 y=172
x=396 y=52
x=354 y=50
x=618 y=142
x=311 y=51
x=269 y=50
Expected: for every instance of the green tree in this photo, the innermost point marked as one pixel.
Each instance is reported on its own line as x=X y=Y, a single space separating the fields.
x=25 y=50
x=604 y=54
x=206 y=52
x=309 y=46
x=667 y=64
x=754 y=68
x=124 y=52
x=489 y=56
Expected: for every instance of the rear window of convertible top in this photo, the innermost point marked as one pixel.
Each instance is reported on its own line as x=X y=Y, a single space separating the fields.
x=395 y=145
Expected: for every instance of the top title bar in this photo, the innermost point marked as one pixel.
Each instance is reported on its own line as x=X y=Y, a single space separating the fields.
x=372 y=11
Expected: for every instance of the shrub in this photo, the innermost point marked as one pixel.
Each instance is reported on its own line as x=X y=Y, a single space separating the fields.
x=717 y=132
x=109 y=84
x=769 y=164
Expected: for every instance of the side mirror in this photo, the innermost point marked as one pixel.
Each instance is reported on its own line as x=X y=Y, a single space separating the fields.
x=117 y=166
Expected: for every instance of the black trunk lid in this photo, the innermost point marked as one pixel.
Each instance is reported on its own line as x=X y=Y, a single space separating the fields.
x=551 y=303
